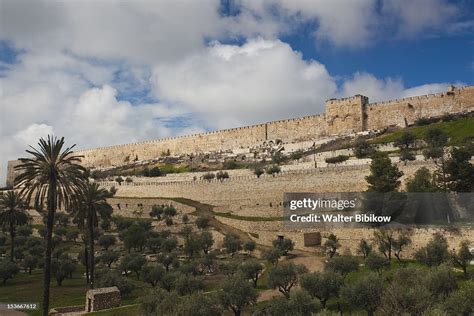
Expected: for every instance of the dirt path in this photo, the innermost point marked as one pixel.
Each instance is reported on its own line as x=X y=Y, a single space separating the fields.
x=206 y=210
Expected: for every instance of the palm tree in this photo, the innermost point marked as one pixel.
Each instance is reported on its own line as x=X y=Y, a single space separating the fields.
x=53 y=175
x=12 y=214
x=92 y=206
x=79 y=218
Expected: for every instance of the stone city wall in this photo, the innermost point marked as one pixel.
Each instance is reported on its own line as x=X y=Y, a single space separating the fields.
x=342 y=116
x=266 y=188
x=403 y=112
x=265 y=232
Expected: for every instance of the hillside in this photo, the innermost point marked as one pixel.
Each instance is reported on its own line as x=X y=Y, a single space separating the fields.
x=458 y=131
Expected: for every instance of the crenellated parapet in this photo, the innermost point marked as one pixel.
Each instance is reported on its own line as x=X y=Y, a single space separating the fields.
x=341 y=116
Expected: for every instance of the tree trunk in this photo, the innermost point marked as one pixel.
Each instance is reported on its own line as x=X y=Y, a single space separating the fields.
x=12 y=236
x=48 y=241
x=91 y=247
x=86 y=259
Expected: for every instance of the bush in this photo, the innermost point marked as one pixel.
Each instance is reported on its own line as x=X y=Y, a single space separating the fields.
x=229 y=165
x=249 y=246
x=62 y=268
x=362 y=148
x=285 y=276
x=297 y=155
x=342 y=264
x=273 y=170
x=105 y=241
x=336 y=159
x=153 y=274
x=155 y=172
x=157 y=211
x=202 y=222
x=8 y=270
x=258 y=172
x=113 y=279
x=232 y=244
x=209 y=176
x=132 y=263
x=435 y=252
x=170 y=210
x=24 y=230
x=277 y=158
x=376 y=262
x=422 y=122
x=128 y=180
x=283 y=244
x=221 y=175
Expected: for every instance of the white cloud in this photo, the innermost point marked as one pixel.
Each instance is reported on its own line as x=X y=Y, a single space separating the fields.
x=415 y=16
x=388 y=88
x=67 y=96
x=138 y=31
x=32 y=133
x=79 y=58
x=231 y=85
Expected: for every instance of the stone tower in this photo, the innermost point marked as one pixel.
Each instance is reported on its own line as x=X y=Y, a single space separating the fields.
x=346 y=115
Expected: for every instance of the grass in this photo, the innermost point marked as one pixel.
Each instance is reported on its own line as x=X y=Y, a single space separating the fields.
x=29 y=288
x=457 y=130
x=129 y=310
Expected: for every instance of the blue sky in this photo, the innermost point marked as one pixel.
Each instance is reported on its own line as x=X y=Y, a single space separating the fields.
x=418 y=61
x=103 y=72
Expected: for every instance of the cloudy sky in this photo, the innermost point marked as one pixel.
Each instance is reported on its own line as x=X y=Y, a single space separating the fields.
x=108 y=72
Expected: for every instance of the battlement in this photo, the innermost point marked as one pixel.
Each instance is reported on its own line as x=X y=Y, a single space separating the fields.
x=342 y=116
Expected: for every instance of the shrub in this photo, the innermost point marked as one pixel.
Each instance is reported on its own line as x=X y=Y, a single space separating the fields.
x=362 y=148
x=157 y=211
x=229 y=165
x=113 y=279
x=202 y=222
x=105 y=241
x=342 y=264
x=128 y=180
x=209 y=176
x=24 y=230
x=435 y=252
x=8 y=270
x=249 y=246
x=258 y=172
x=423 y=121
x=221 y=175
x=274 y=169
x=155 y=172
x=232 y=244
x=283 y=244
x=336 y=159
x=297 y=155
x=376 y=262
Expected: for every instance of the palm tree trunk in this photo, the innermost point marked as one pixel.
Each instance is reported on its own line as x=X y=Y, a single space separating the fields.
x=12 y=236
x=91 y=247
x=86 y=259
x=48 y=241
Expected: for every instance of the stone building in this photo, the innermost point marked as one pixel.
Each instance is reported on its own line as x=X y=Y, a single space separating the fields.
x=102 y=298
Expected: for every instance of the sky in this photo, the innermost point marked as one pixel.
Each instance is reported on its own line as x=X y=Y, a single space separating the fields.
x=109 y=72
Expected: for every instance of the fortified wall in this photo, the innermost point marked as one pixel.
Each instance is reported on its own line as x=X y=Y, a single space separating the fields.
x=342 y=116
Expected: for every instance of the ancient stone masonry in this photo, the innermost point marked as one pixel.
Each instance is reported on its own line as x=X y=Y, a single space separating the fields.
x=103 y=298
x=342 y=116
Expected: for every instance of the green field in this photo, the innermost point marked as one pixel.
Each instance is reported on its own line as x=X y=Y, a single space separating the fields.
x=457 y=131
x=29 y=288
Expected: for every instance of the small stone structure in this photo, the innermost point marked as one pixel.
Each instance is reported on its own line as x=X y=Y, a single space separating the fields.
x=103 y=298
x=312 y=239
